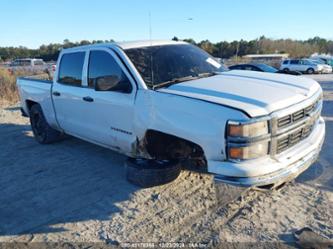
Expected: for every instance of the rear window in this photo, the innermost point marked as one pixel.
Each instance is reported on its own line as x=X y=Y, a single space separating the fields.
x=236 y=67
x=22 y=63
x=71 y=66
x=285 y=62
x=38 y=63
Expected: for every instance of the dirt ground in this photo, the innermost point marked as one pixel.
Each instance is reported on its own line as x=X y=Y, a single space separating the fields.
x=74 y=191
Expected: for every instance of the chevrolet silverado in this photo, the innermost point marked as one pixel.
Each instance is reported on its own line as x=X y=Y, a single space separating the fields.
x=162 y=100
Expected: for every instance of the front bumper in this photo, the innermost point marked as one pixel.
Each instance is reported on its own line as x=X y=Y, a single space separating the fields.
x=327 y=70
x=300 y=158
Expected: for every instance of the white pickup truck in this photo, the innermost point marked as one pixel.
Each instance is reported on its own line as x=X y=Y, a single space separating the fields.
x=28 y=65
x=163 y=100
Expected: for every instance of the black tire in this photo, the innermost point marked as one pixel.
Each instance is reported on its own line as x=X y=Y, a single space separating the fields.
x=149 y=173
x=44 y=134
x=286 y=70
x=310 y=71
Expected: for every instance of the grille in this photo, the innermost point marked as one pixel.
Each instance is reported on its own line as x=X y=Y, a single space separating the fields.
x=293 y=138
x=296 y=116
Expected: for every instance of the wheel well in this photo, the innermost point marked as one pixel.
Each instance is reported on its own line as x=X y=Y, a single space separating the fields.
x=30 y=103
x=161 y=145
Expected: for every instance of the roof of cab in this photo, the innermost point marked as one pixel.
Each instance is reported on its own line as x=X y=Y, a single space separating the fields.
x=129 y=44
x=147 y=43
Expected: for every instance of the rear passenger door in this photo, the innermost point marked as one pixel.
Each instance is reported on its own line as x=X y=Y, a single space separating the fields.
x=67 y=93
x=295 y=65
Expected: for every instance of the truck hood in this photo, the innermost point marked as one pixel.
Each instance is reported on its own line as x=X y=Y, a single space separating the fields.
x=255 y=93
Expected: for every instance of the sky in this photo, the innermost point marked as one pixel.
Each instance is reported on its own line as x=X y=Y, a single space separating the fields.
x=31 y=23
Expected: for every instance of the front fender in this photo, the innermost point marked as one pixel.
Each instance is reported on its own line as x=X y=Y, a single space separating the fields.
x=200 y=122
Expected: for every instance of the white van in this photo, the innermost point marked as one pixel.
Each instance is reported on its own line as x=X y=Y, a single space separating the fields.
x=28 y=64
x=301 y=65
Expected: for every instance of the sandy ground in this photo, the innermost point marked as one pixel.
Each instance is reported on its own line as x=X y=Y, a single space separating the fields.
x=74 y=191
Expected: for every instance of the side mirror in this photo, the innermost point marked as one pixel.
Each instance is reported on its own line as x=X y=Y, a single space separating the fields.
x=112 y=83
x=106 y=83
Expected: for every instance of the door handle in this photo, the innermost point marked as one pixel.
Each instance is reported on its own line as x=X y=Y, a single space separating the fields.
x=88 y=99
x=56 y=93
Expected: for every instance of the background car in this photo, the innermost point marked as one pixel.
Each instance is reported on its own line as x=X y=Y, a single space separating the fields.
x=261 y=67
x=301 y=65
x=31 y=65
x=326 y=59
x=326 y=68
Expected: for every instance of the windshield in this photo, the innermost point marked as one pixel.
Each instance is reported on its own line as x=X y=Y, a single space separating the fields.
x=267 y=68
x=327 y=61
x=172 y=63
x=316 y=62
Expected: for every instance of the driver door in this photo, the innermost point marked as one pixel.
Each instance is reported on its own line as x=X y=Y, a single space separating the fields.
x=109 y=108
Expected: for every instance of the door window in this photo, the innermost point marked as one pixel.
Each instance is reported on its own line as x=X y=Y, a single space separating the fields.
x=105 y=74
x=251 y=68
x=294 y=62
x=38 y=63
x=70 y=70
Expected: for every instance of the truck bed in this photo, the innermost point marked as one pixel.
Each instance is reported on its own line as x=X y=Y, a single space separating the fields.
x=43 y=78
x=36 y=89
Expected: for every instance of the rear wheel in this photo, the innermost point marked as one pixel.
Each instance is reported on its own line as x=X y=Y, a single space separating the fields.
x=286 y=70
x=310 y=71
x=44 y=134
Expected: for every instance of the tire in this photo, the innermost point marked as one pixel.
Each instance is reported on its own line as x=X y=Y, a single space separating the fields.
x=43 y=133
x=310 y=71
x=149 y=173
x=286 y=70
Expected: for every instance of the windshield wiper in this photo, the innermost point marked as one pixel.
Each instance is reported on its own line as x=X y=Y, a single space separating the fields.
x=175 y=81
x=209 y=74
x=185 y=78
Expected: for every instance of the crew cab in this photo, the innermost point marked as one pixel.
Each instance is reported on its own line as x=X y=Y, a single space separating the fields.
x=171 y=100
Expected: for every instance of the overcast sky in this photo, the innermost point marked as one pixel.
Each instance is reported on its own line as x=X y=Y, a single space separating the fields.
x=31 y=23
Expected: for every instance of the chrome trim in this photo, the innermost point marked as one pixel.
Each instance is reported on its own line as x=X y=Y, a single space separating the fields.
x=293 y=125
x=247 y=140
x=309 y=121
x=274 y=132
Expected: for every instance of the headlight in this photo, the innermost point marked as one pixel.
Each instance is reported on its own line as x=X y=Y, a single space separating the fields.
x=247 y=130
x=250 y=151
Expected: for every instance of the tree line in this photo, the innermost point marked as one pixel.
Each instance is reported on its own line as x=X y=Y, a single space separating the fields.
x=48 y=52
x=223 y=49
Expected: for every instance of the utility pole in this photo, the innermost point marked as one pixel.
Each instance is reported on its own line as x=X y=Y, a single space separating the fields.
x=237 y=48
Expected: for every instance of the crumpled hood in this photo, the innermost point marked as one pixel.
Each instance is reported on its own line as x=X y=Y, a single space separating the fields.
x=255 y=93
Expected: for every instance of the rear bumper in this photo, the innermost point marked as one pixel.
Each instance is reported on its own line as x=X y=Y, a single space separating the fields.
x=293 y=166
